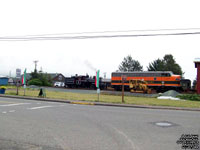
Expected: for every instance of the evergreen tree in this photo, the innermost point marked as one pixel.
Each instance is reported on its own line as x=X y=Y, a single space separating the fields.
x=156 y=65
x=168 y=63
x=128 y=64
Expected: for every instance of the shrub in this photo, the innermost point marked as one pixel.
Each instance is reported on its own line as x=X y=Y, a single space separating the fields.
x=3 y=87
x=192 y=97
x=43 y=79
x=35 y=82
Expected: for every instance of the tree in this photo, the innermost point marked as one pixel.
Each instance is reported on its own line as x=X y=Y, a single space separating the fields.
x=128 y=64
x=168 y=63
x=34 y=75
x=156 y=65
x=40 y=79
x=171 y=65
x=194 y=84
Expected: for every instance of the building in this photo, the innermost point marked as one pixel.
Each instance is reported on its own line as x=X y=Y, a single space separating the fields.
x=11 y=81
x=197 y=65
x=58 y=78
x=3 y=80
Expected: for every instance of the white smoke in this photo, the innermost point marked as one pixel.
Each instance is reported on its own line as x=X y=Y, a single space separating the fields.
x=89 y=65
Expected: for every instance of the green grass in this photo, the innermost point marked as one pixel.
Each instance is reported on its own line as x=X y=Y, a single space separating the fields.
x=108 y=98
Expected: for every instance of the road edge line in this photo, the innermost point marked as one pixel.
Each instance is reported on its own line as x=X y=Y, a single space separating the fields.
x=100 y=103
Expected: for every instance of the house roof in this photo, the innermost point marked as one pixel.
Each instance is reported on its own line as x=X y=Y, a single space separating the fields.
x=197 y=60
x=1 y=76
x=53 y=75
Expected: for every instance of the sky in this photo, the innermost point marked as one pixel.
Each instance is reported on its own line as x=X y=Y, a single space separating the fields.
x=80 y=56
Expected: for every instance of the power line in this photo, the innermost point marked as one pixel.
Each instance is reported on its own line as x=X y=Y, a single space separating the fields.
x=115 y=31
x=36 y=37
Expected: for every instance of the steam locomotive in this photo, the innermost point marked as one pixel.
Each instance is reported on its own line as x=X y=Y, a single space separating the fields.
x=85 y=81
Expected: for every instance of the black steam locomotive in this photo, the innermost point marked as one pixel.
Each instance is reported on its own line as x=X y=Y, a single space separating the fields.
x=81 y=81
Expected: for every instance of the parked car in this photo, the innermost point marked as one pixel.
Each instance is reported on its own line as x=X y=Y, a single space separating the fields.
x=59 y=84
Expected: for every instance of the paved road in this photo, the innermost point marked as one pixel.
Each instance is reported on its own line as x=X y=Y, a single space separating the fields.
x=36 y=125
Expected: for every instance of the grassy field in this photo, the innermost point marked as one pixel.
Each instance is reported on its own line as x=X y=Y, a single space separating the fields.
x=106 y=98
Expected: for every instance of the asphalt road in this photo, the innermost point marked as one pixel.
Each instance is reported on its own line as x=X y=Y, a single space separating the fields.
x=36 y=125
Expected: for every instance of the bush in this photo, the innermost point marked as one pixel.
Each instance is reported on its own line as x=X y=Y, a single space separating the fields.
x=35 y=82
x=192 y=97
x=3 y=87
x=41 y=79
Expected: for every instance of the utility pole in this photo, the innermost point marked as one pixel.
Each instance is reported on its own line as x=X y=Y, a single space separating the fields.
x=35 y=61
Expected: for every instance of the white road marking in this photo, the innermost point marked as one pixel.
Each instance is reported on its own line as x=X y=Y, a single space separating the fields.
x=39 y=107
x=4 y=112
x=5 y=105
x=163 y=124
x=133 y=146
x=12 y=111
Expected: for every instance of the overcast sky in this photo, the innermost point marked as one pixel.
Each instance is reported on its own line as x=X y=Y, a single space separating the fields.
x=38 y=17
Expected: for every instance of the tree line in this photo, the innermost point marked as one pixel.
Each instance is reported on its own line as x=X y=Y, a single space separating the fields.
x=167 y=63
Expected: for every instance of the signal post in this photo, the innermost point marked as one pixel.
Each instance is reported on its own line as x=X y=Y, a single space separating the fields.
x=123 y=80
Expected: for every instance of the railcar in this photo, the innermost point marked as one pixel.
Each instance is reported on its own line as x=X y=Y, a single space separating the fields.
x=158 y=80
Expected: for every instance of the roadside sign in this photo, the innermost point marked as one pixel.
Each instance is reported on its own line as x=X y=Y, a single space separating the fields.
x=124 y=77
x=98 y=91
x=18 y=73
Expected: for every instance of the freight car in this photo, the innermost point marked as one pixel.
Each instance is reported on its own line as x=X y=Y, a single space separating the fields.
x=84 y=81
x=158 y=80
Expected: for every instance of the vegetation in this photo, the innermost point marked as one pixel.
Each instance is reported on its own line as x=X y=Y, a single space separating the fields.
x=40 y=79
x=37 y=82
x=3 y=87
x=194 y=84
x=168 y=63
x=192 y=97
x=129 y=64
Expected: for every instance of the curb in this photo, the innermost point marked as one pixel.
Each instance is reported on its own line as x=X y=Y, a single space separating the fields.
x=100 y=103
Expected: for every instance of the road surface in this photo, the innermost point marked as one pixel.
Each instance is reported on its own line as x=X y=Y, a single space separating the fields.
x=36 y=125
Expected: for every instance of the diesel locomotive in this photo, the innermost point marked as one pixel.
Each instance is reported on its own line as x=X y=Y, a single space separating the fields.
x=158 y=80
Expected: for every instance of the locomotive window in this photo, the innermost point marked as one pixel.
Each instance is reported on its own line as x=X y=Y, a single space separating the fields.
x=164 y=74
x=116 y=74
